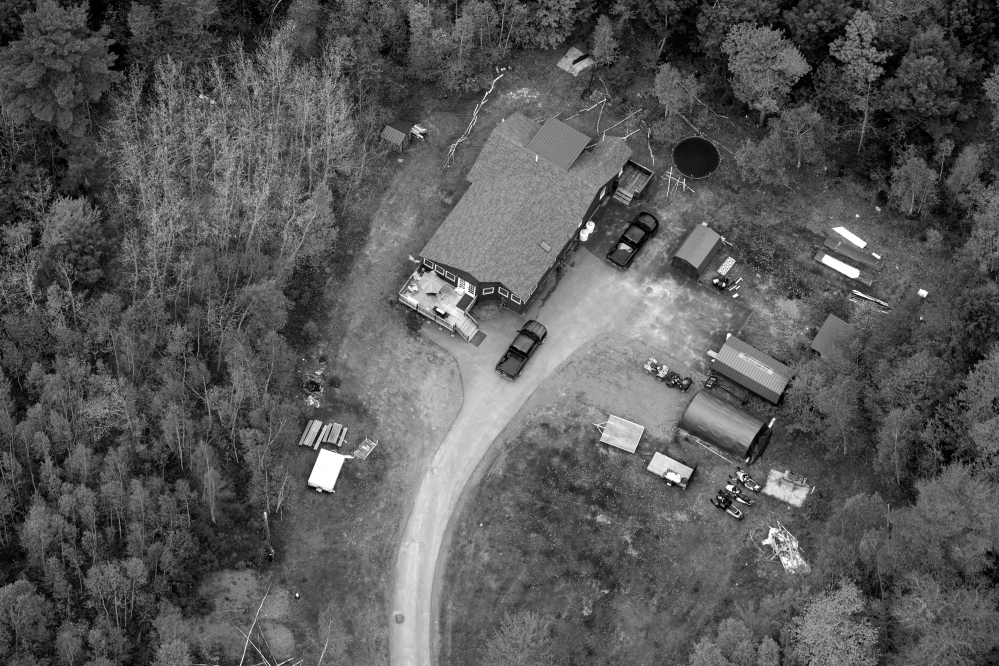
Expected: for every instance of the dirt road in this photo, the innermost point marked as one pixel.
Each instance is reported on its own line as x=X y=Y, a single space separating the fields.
x=591 y=299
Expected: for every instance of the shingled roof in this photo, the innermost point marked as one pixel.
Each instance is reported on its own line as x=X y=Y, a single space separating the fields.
x=515 y=203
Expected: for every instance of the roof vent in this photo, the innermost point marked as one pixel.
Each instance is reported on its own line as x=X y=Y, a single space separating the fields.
x=546 y=247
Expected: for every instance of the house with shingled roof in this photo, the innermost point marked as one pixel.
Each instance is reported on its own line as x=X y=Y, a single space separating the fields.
x=531 y=189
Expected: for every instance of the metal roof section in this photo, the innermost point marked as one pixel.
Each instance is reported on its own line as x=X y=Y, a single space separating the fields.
x=832 y=336
x=396 y=133
x=751 y=368
x=697 y=251
x=724 y=426
x=558 y=143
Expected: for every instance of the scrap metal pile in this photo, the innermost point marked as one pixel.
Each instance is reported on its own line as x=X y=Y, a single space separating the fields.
x=785 y=547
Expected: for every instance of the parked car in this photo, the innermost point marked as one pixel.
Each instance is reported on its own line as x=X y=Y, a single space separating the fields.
x=523 y=347
x=623 y=252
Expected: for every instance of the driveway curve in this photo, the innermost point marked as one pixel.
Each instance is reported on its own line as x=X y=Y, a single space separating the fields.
x=592 y=298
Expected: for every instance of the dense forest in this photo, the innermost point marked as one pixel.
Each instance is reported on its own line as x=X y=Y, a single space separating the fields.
x=172 y=172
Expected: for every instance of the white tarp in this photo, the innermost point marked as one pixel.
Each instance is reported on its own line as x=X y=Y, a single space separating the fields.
x=326 y=470
x=837 y=265
x=859 y=242
x=575 y=61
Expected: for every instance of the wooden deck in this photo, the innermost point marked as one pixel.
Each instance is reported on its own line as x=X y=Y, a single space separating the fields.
x=437 y=300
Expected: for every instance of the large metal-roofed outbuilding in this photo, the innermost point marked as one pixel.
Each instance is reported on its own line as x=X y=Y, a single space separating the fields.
x=697 y=251
x=748 y=367
x=725 y=427
x=558 y=143
x=832 y=336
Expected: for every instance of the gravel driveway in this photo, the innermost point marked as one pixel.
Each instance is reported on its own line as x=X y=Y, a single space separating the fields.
x=592 y=298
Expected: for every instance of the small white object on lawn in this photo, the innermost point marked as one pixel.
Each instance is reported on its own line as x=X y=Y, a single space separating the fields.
x=923 y=293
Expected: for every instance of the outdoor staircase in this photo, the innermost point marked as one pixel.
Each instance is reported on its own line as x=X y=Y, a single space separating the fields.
x=624 y=196
x=466 y=328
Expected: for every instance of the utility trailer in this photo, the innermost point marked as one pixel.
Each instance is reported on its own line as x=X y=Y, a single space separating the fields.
x=673 y=472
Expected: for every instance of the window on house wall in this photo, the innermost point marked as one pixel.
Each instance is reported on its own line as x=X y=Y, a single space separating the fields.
x=503 y=292
x=515 y=299
x=439 y=269
x=428 y=263
x=488 y=290
x=449 y=275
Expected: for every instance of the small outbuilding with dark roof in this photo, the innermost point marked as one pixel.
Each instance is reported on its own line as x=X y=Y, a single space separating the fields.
x=398 y=134
x=748 y=367
x=725 y=427
x=697 y=251
x=833 y=337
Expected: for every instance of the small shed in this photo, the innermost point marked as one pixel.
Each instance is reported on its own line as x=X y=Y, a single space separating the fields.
x=697 y=251
x=725 y=427
x=674 y=471
x=750 y=368
x=620 y=433
x=832 y=336
x=398 y=134
x=326 y=470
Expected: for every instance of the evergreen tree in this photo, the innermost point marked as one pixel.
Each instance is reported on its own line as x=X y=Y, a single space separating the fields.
x=56 y=70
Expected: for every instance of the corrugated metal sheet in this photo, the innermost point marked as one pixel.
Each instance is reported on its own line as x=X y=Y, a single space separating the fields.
x=833 y=334
x=697 y=251
x=751 y=368
x=558 y=143
x=723 y=426
x=393 y=134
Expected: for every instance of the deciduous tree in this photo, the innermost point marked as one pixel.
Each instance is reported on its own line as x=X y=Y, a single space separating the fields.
x=833 y=632
x=945 y=624
x=913 y=184
x=56 y=69
x=966 y=169
x=716 y=20
x=991 y=87
x=764 y=65
x=804 y=132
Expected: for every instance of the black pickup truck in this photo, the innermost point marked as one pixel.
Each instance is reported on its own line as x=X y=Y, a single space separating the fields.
x=523 y=347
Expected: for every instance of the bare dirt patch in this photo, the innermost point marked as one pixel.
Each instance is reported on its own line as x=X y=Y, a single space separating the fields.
x=628 y=569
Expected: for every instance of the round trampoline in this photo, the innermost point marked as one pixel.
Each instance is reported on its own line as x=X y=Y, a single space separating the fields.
x=696 y=157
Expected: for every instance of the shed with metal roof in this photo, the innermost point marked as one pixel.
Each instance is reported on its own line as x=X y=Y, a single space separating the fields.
x=558 y=143
x=832 y=336
x=725 y=427
x=749 y=367
x=398 y=134
x=697 y=251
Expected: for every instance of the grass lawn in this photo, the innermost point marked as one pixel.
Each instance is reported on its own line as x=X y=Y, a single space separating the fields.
x=628 y=569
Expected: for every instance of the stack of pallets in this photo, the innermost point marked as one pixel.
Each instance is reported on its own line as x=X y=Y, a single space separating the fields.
x=318 y=433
